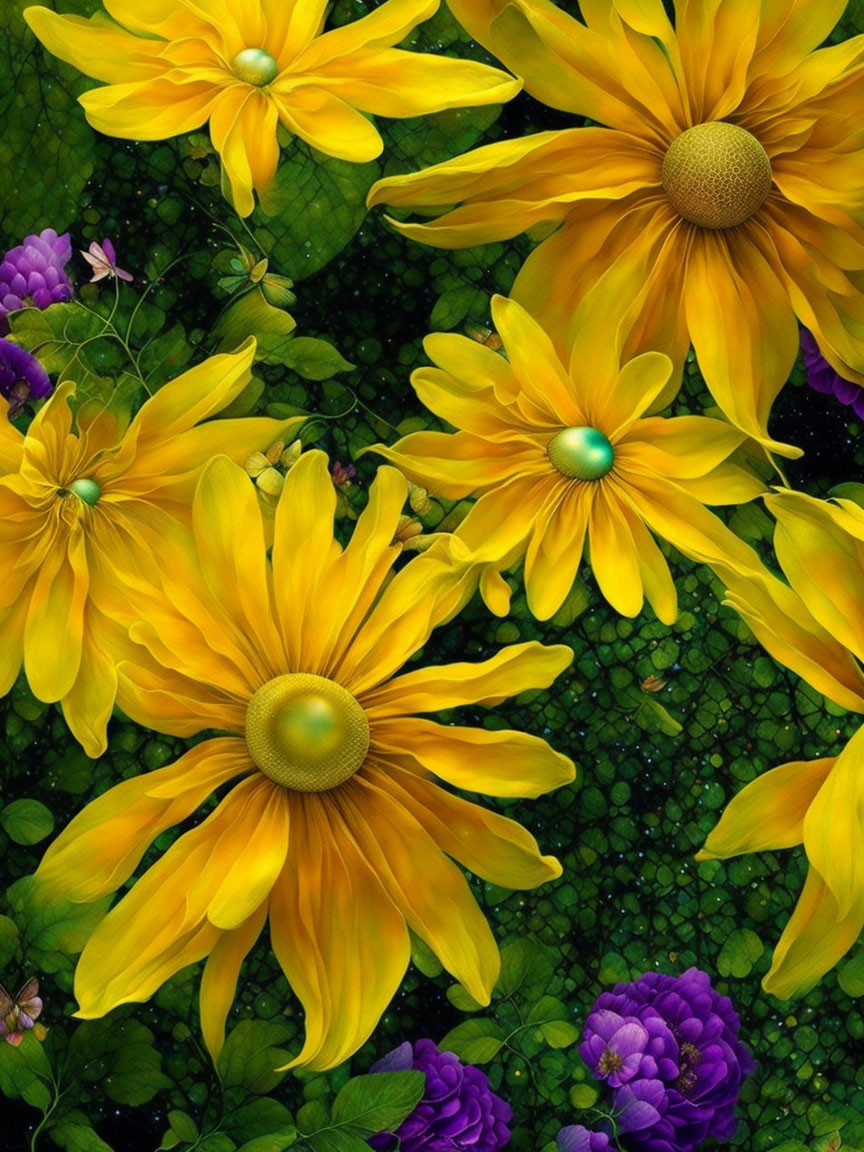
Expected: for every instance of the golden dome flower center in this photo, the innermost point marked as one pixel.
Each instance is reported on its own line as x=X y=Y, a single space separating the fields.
x=255 y=66
x=306 y=732
x=581 y=453
x=86 y=489
x=716 y=175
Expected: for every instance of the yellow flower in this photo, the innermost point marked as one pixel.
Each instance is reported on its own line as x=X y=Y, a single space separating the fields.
x=557 y=456
x=334 y=827
x=816 y=628
x=82 y=508
x=247 y=66
x=724 y=198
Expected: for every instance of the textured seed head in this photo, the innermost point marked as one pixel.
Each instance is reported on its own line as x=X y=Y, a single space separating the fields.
x=255 y=66
x=581 y=453
x=306 y=732
x=716 y=174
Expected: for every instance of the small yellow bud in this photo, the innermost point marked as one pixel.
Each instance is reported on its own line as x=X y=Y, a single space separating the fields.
x=271 y=483
x=418 y=499
x=291 y=455
x=275 y=451
x=256 y=464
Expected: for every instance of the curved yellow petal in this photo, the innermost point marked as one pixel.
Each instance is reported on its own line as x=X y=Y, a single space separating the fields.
x=834 y=828
x=490 y=761
x=517 y=668
x=11 y=441
x=491 y=846
x=499 y=526
x=96 y=47
x=787 y=32
x=384 y=26
x=57 y=610
x=243 y=123
x=677 y=448
x=12 y=623
x=638 y=384
x=769 y=811
x=151 y=109
x=814 y=939
x=337 y=933
x=102 y=846
x=614 y=559
x=555 y=549
x=657 y=580
x=430 y=892
x=539 y=372
x=88 y=704
x=391 y=82
x=716 y=41
x=171 y=19
x=326 y=122
x=461 y=464
x=220 y=975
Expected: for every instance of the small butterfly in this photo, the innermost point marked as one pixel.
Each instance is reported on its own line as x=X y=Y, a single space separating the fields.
x=19 y=1013
x=103 y=260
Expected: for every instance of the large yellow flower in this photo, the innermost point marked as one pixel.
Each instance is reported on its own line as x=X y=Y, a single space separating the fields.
x=334 y=827
x=82 y=507
x=558 y=456
x=249 y=65
x=725 y=197
x=816 y=628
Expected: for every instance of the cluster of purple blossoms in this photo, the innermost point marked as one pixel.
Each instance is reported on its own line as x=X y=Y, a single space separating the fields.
x=459 y=1112
x=21 y=376
x=33 y=274
x=822 y=378
x=668 y=1047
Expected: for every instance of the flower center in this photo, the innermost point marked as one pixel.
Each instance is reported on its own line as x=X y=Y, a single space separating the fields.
x=86 y=489
x=610 y=1061
x=306 y=732
x=255 y=66
x=581 y=453
x=688 y=1064
x=716 y=175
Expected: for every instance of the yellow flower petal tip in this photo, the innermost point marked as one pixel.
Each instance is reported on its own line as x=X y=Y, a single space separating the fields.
x=246 y=73
x=701 y=202
x=324 y=828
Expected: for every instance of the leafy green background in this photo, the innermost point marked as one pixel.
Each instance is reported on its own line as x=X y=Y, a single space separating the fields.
x=656 y=767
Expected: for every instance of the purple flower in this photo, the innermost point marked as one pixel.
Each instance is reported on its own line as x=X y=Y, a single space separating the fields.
x=33 y=274
x=575 y=1138
x=21 y=376
x=694 y=1095
x=822 y=378
x=459 y=1112
x=618 y=1048
x=103 y=261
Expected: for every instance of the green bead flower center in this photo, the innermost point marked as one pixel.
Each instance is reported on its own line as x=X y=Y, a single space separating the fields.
x=716 y=174
x=255 y=66
x=581 y=453
x=86 y=489
x=306 y=732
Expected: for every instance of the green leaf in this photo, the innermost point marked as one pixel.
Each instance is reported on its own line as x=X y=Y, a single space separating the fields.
x=251 y=315
x=460 y=999
x=311 y=210
x=850 y=490
x=559 y=1033
x=251 y=1055
x=52 y=930
x=118 y=1054
x=851 y=976
x=258 y=1117
x=379 y=1101
x=424 y=959
x=274 y=1142
x=525 y=969
x=455 y=304
x=183 y=1126
x=311 y=1116
x=475 y=1041
x=338 y=1140
x=25 y=1073
x=78 y=1137
x=27 y=821
x=8 y=940
x=740 y=951
x=653 y=717
x=312 y=358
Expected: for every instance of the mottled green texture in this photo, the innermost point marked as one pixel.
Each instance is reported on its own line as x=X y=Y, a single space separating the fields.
x=666 y=724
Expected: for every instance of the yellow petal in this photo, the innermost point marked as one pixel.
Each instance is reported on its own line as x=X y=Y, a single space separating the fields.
x=291 y=25
x=493 y=762
x=823 y=563
x=219 y=979
x=459 y=399
x=538 y=371
x=637 y=387
x=384 y=26
x=680 y=448
x=717 y=41
x=499 y=526
x=390 y=82
x=11 y=441
x=12 y=622
x=656 y=578
x=734 y=284
x=96 y=47
x=495 y=590
x=614 y=559
x=814 y=939
x=769 y=811
x=326 y=122
x=554 y=552
x=834 y=827
x=57 y=610
x=166 y=18
x=517 y=668
x=243 y=124
x=789 y=31
x=88 y=704
x=495 y=848
x=174 y=704
x=430 y=892
x=150 y=109
x=337 y=934
x=102 y=846
x=461 y=464
x=193 y=396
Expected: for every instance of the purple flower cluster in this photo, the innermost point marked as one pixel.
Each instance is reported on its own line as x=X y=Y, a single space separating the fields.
x=21 y=376
x=459 y=1112
x=668 y=1047
x=822 y=378
x=33 y=274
